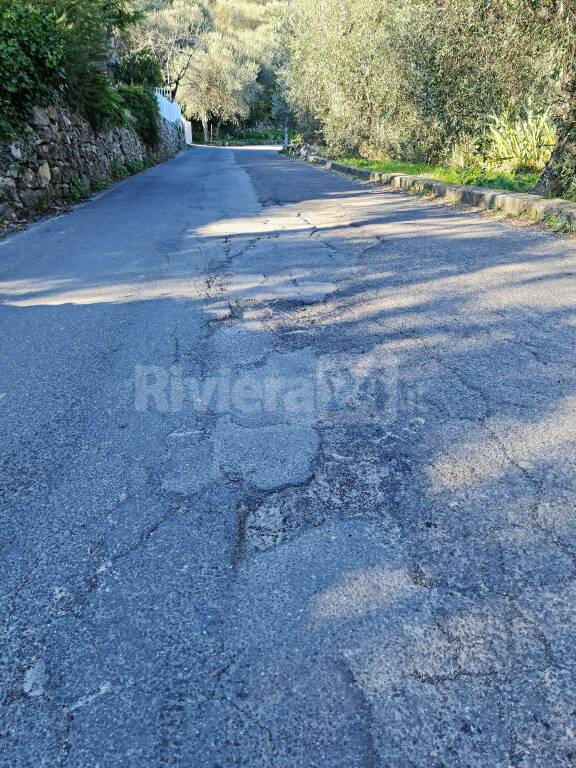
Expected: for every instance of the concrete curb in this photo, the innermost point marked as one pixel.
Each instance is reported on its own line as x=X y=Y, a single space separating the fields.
x=561 y=212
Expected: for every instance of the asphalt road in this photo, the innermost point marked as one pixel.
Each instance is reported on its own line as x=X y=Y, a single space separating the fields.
x=288 y=478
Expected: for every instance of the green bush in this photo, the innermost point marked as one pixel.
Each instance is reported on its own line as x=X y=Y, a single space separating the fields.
x=52 y=49
x=97 y=185
x=135 y=166
x=41 y=203
x=97 y=99
x=89 y=87
x=412 y=79
x=79 y=189
x=140 y=68
x=118 y=171
x=87 y=27
x=142 y=113
x=297 y=140
x=31 y=56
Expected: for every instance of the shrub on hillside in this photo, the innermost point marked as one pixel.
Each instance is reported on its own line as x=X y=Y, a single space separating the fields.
x=140 y=68
x=31 y=57
x=413 y=80
x=142 y=113
x=88 y=28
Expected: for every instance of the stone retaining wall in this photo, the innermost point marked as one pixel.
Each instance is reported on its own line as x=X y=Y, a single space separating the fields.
x=61 y=154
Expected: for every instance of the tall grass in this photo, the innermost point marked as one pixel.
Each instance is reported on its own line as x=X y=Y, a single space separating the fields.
x=515 y=181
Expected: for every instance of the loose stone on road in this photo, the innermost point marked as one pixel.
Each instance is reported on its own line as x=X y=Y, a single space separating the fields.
x=288 y=478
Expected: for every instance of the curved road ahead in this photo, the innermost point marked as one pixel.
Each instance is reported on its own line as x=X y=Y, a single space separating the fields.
x=287 y=480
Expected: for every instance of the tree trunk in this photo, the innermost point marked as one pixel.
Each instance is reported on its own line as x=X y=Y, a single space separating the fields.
x=218 y=124
x=559 y=177
x=205 y=129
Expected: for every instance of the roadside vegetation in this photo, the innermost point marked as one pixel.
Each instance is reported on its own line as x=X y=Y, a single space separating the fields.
x=515 y=181
x=486 y=88
x=75 y=53
x=102 y=58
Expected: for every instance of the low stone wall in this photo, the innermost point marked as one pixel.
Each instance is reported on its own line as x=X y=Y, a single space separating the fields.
x=560 y=213
x=61 y=154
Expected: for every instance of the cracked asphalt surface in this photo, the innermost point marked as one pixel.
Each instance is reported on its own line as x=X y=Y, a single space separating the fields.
x=287 y=478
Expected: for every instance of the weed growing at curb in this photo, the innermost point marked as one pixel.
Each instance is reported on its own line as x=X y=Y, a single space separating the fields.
x=79 y=190
x=559 y=225
x=41 y=203
x=118 y=171
x=97 y=185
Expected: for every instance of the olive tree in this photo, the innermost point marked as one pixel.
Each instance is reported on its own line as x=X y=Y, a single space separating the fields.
x=172 y=31
x=415 y=78
x=219 y=85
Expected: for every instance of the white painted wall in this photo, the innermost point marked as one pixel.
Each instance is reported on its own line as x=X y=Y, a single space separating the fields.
x=187 y=130
x=169 y=110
